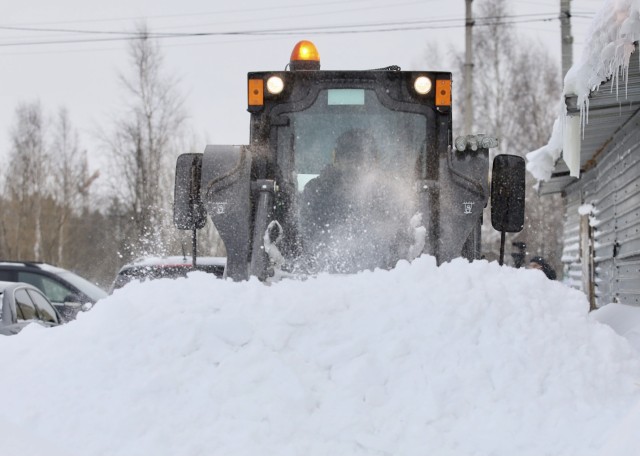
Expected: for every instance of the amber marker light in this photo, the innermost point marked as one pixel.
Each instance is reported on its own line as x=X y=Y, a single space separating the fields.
x=256 y=92
x=443 y=92
x=422 y=85
x=305 y=56
x=275 y=85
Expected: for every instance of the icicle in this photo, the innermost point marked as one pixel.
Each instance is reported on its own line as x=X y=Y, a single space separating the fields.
x=626 y=81
x=584 y=114
x=571 y=144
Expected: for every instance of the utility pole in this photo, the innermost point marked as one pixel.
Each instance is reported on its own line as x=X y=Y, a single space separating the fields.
x=468 y=71
x=565 y=36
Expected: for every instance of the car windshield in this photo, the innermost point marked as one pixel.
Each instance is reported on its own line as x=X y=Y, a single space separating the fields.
x=91 y=290
x=353 y=163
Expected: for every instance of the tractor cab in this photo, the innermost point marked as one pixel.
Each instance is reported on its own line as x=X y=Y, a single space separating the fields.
x=345 y=171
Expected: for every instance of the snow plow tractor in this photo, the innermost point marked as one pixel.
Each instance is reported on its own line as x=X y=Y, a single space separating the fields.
x=346 y=171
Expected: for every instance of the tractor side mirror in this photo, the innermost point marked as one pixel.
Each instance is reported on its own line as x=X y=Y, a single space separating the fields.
x=507 y=193
x=507 y=196
x=188 y=210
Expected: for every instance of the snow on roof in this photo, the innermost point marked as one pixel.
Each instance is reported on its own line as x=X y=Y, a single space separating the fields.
x=50 y=268
x=610 y=43
x=462 y=359
x=177 y=260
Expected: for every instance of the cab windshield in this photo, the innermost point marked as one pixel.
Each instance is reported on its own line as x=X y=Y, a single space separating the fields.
x=351 y=163
x=307 y=144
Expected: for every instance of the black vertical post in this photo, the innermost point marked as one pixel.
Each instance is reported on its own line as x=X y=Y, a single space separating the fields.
x=502 y=239
x=194 y=246
x=468 y=69
x=565 y=36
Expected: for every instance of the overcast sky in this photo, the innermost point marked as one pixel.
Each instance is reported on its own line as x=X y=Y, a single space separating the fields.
x=82 y=75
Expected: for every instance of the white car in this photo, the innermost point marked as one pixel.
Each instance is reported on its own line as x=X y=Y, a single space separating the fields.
x=23 y=304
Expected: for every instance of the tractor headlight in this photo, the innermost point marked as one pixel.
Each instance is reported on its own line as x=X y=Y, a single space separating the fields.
x=422 y=85
x=275 y=85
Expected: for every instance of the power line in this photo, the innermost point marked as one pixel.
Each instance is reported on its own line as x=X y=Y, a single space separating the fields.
x=454 y=19
x=424 y=21
x=206 y=13
x=395 y=6
x=428 y=24
x=294 y=16
x=26 y=28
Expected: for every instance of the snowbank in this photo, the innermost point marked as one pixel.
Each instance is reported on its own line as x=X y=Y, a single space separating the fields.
x=606 y=55
x=624 y=319
x=462 y=359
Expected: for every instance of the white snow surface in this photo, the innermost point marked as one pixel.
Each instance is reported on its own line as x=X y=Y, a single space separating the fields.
x=586 y=209
x=606 y=55
x=178 y=260
x=624 y=319
x=461 y=359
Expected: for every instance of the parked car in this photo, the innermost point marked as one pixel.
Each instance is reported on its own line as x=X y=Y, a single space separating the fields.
x=23 y=304
x=67 y=291
x=167 y=267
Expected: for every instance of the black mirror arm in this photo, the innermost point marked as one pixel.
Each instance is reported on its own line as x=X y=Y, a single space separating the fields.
x=194 y=245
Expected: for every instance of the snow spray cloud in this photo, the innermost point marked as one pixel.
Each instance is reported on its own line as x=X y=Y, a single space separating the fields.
x=360 y=217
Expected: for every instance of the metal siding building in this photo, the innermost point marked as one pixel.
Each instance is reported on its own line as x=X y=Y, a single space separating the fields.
x=602 y=248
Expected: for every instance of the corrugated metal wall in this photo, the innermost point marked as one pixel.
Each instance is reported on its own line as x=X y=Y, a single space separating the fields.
x=627 y=249
x=571 y=234
x=613 y=188
x=603 y=197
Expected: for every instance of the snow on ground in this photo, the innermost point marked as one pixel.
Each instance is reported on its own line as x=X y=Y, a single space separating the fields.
x=462 y=359
x=624 y=319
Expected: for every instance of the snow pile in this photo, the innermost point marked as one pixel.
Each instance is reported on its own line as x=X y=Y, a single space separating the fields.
x=606 y=55
x=462 y=359
x=624 y=319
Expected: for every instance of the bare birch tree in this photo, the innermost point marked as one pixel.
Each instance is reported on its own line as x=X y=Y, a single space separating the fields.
x=70 y=181
x=516 y=84
x=25 y=184
x=143 y=144
x=515 y=94
x=46 y=181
